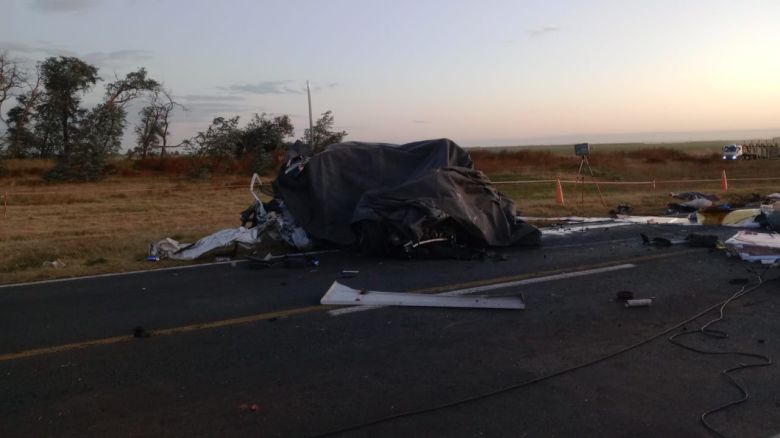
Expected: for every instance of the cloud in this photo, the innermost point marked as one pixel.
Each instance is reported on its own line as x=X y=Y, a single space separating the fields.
x=63 y=5
x=113 y=59
x=266 y=87
x=278 y=87
x=211 y=98
x=542 y=31
x=117 y=57
x=204 y=107
x=421 y=122
x=204 y=111
x=40 y=47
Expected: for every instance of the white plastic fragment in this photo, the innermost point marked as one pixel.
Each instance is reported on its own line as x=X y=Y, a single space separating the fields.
x=641 y=302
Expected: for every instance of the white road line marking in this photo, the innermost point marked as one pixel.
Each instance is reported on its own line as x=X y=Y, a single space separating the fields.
x=471 y=290
x=146 y=271
x=117 y=274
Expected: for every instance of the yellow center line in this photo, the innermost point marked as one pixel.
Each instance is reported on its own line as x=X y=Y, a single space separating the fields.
x=312 y=309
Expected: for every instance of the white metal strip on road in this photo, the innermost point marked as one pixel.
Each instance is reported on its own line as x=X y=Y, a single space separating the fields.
x=471 y=290
x=575 y=228
x=341 y=295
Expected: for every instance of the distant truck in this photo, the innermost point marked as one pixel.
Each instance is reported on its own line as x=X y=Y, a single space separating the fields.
x=751 y=151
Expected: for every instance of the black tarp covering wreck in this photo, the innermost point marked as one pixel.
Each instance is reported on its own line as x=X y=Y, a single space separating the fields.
x=384 y=196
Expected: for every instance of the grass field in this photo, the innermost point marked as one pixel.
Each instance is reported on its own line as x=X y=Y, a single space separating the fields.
x=106 y=227
x=710 y=146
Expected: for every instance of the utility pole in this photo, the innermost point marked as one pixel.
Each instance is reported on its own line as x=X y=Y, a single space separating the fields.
x=311 y=123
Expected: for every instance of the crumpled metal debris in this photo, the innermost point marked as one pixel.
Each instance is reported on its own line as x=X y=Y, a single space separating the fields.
x=689 y=202
x=169 y=248
x=275 y=221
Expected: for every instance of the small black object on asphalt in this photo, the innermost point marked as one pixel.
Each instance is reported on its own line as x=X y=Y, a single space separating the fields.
x=624 y=295
x=655 y=241
x=702 y=240
x=295 y=262
x=739 y=281
x=140 y=332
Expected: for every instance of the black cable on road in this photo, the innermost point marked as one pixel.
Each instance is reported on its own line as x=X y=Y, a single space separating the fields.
x=505 y=389
x=720 y=334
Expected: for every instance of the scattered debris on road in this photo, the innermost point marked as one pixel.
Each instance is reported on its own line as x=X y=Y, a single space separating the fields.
x=641 y=302
x=702 y=240
x=342 y=295
x=294 y=260
x=747 y=217
x=661 y=242
x=694 y=240
x=755 y=247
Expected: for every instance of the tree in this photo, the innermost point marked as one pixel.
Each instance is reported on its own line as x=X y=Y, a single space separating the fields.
x=11 y=77
x=110 y=117
x=166 y=107
x=147 y=130
x=97 y=133
x=262 y=136
x=20 y=139
x=322 y=133
x=153 y=127
x=218 y=143
x=123 y=91
x=65 y=81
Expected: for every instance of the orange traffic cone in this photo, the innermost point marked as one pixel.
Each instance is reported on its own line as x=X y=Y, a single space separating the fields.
x=724 y=183
x=559 y=192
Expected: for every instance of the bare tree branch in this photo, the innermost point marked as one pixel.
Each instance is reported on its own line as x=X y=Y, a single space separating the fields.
x=32 y=97
x=11 y=76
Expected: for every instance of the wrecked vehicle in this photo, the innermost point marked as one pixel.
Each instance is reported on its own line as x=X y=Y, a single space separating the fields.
x=423 y=198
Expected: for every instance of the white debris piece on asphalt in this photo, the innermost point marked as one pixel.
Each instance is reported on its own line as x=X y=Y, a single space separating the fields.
x=501 y=285
x=755 y=247
x=744 y=218
x=568 y=229
x=339 y=294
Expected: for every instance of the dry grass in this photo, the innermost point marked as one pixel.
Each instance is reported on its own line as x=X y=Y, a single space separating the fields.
x=106 y=227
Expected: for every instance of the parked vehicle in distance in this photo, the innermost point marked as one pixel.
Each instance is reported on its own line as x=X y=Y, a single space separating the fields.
x=751 y=151
x=732 y=151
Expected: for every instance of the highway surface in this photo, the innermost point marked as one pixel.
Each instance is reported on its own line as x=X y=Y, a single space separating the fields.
x=226 y=350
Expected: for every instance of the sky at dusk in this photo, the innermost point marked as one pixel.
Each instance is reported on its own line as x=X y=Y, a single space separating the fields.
x=480 y=73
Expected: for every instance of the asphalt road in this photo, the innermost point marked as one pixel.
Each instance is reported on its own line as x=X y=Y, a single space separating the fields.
x=235 y=351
